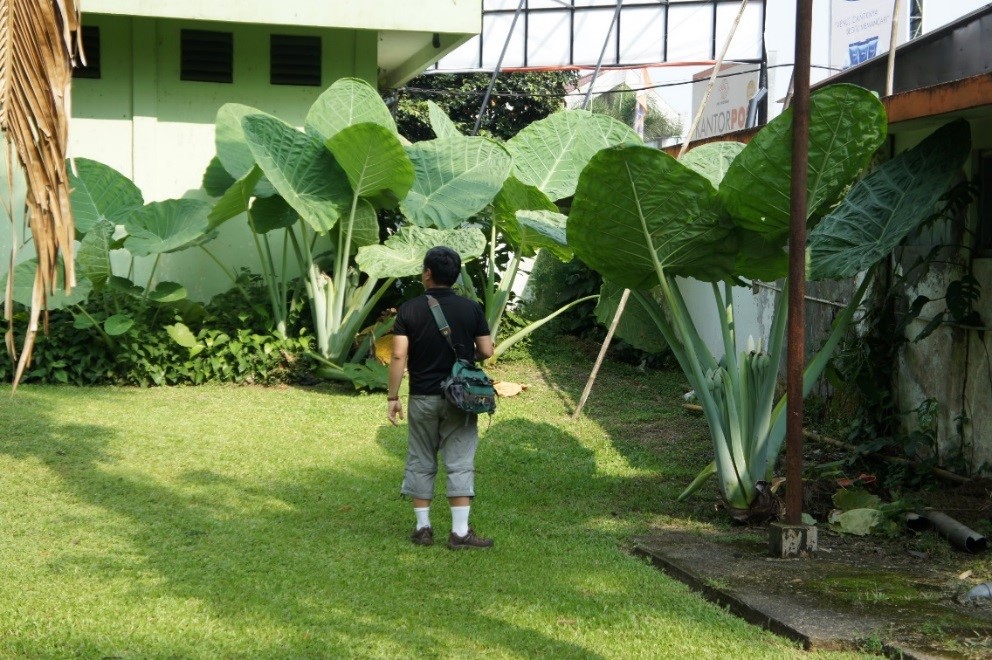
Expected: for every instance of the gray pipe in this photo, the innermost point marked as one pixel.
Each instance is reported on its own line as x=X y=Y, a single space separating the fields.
x=956 y=533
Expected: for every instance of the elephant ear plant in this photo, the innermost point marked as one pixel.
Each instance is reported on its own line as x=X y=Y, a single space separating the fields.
x=111 y=215
x=642 y=218
x=321 y=188
x=547 y=157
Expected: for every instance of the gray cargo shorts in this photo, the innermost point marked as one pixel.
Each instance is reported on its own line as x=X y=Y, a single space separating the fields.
x=437 y=426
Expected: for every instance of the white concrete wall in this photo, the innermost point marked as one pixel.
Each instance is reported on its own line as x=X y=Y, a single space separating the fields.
x=158 y=130
x=424 y=16
x=951 y=365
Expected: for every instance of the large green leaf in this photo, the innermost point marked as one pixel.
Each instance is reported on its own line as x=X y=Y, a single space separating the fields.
x=375 y=162
x=636 y=326
x=216 y=179
x=440 y=121
x=24 y=274
x=544 y=230
x=402 y=255
x=168 y=226
x=118 y=324
x=550 y=153
x=236 y=199
x=270 y=213
x=847 y=124
x=364 y=230
x=514 y=197
x=93 y=255
x=182 y=335
x=455 y=178
x=760 y=257
x=347 y=102
x=232 y=148
x=302 y=170
x=637 y=210
x=889 y=203
x=168 y=292
x=713 y=159
x=99 y=192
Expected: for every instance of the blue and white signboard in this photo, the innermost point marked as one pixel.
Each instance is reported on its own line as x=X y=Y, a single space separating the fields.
x=861 y=30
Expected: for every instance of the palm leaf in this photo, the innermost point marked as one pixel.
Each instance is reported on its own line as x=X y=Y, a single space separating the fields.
x=35 y=78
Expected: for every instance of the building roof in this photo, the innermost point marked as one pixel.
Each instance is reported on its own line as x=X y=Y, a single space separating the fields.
x=409 y=39
x=947 y=72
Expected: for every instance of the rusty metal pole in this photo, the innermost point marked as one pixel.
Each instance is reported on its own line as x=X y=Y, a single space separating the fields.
x=796 y=355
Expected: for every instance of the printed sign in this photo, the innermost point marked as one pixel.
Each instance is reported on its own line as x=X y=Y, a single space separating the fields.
x=860 y=30
x=726 y=109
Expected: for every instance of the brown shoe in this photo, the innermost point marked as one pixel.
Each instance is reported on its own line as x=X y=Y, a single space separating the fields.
x=423 y=536
x=469 y=541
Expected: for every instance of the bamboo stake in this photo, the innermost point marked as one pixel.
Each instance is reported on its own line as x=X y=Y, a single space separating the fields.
x=685 y=146
x=891 y=69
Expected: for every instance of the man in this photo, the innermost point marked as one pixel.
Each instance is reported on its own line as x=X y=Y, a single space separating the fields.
x=436 y=426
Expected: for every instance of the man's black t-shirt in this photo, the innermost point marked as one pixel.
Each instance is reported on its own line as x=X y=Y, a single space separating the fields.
x=430 y=358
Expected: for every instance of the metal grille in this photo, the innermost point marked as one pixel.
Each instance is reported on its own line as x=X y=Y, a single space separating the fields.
x=207 y=56
x=915 y=19
x=294 y=60
x=91 y=48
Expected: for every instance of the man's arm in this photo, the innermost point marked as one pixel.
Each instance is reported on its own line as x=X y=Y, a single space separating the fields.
x=397 y=365
x=483 y=347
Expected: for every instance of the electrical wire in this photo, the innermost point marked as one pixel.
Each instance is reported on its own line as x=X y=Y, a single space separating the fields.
x=510 y=94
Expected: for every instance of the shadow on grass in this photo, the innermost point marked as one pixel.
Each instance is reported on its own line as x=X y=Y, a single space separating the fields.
x=641 y=411
x=323 y=557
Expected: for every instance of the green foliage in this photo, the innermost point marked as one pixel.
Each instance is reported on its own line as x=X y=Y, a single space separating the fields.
x=518 y=100
x=865 y=364
x=641 y=218
x=348 y=165
x=137 y=347
x=552 y=284
x=862 y=513
x=621 y=103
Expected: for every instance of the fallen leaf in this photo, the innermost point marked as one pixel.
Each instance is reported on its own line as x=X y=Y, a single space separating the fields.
x=509 y=389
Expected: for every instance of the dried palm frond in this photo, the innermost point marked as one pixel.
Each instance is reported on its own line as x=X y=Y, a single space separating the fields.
x=39 y=41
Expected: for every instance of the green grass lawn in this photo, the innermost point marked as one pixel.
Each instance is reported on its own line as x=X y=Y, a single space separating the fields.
x=232 y=522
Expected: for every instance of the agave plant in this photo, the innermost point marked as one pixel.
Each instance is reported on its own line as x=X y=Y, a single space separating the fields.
x=642 y=218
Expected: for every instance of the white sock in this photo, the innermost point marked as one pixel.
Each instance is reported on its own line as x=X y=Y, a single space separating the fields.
x=423 y=516
x=459 y=520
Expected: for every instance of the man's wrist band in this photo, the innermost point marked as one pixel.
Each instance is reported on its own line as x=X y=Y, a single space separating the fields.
x=392 y=398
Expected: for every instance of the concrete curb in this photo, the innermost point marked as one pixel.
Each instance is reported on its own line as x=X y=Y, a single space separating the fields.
x=757 y=615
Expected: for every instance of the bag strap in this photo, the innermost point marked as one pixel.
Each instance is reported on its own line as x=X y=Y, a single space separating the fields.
x=442 y=323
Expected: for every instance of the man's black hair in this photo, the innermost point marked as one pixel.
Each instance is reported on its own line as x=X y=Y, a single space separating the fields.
x=444 y=263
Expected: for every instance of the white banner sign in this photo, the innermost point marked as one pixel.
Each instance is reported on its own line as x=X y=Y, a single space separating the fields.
x=860 y=30
x=726 y=109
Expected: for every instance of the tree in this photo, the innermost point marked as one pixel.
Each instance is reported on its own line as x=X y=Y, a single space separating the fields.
x=518 y=100
x=35 y=79
x=621 y=103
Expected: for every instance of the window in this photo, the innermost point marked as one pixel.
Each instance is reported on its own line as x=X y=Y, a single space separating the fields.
x=207 y=56
x=91 y=48
x=294 y=60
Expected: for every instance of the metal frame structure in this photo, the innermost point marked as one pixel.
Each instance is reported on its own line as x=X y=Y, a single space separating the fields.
x=590 y=16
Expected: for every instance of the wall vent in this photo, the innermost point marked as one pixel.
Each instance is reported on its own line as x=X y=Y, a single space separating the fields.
x=294 y=60
x=91 y=48
x=207 y=56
